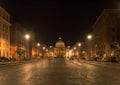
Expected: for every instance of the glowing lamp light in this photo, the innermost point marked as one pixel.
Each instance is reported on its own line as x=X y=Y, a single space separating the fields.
x=89 y=36
x=79 y=44
x=74 y=48
x=27 y=36
x=43 y=48
x=38 y=44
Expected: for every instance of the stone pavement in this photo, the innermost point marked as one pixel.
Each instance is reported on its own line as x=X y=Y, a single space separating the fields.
x=105 y=64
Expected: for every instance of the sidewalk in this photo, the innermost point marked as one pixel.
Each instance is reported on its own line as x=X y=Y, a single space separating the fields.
x=3 y=63
x=13 y=62
x=105 y=64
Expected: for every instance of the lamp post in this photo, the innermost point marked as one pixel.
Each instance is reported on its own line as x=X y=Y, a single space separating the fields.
x=79 y=45
x=27 y=36
x=89 y=37
x=43 y=48
x=68 y=49
x=46 y=52
x=38 y=45
x=74 y=49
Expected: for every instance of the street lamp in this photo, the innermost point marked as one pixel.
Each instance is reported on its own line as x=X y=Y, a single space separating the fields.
x=46 y=50
x=74 y=50
x=67 y=53
x=89 y=37
x=38 y=45
x=43 y=48
x=27 y=36
x=79 y=45
x=51 y=46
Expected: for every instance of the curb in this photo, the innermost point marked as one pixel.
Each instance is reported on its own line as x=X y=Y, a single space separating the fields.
x=109 y=66
x=4 y=63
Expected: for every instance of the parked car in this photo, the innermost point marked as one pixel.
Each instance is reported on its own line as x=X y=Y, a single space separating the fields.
x=4 y=59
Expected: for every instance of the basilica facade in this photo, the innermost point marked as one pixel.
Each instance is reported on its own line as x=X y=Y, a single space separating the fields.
x=60 y=49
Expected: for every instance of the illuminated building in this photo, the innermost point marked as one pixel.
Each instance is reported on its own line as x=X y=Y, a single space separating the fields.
x=4 y=33
x=36 y=49
x=106 y=30
x=18 y=44
x=60 y=49
x=17 y=41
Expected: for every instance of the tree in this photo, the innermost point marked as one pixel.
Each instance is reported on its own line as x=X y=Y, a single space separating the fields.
x=20 y=52
x=100 y=53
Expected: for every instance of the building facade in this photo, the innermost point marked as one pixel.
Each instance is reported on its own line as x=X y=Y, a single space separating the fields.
x=17 y=41
x=60 y=49
x=106 y=30
x=20 y=47
x=4 y=33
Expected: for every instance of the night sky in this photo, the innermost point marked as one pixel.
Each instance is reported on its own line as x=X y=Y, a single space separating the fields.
x=70 y=19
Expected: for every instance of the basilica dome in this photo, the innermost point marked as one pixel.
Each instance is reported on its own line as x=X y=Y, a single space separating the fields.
x=60 y=43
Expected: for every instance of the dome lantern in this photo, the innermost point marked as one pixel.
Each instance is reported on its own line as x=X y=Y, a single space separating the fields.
x=60 y=43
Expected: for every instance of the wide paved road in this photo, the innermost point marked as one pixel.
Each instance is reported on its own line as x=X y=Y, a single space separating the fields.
x=58 y=72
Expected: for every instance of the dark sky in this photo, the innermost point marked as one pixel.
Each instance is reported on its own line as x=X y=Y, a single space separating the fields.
x=50 y=18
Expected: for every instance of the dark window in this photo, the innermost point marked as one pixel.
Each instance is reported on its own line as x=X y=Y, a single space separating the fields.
x=113 y=29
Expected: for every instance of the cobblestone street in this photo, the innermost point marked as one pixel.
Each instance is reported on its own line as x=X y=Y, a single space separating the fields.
x=58 y=72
